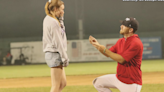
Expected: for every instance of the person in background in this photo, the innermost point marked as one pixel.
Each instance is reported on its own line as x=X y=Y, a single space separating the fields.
x=9 y=58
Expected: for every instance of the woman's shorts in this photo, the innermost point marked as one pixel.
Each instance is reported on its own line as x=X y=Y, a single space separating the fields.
x=53 y=59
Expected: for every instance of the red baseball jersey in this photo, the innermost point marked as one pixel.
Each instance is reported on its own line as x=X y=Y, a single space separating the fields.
x=131 y=50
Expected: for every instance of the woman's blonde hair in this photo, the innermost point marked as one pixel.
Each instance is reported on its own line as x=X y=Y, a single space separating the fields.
x=50 y=6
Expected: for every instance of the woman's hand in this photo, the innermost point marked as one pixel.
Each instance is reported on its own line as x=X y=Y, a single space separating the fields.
x=62 y=14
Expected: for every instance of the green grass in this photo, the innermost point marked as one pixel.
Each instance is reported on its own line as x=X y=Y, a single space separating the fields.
x=145 y=88
x=75 y=69
x=24 y=71
x=152 y=66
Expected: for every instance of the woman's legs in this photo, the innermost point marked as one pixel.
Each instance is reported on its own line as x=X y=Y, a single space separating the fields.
x=56 y=77
x=63 y=81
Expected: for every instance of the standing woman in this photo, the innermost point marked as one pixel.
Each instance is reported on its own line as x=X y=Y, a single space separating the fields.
x=55 y=43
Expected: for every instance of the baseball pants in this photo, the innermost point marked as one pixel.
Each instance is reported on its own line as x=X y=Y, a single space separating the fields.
x=104 y=83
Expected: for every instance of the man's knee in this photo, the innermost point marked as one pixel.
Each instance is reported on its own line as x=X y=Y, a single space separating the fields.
x=96 y=83
x=99 y=86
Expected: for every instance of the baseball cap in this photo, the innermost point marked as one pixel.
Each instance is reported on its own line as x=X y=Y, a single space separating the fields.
x=130 y=22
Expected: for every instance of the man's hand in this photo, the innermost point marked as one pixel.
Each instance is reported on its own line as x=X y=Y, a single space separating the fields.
x=106 y=52
x=94 y=42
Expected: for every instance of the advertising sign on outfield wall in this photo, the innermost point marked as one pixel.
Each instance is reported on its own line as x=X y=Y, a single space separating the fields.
x=82 y=50
x=152 y=48
x=78 y=51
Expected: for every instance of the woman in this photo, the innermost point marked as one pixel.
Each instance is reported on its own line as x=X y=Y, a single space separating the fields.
x=55 y=43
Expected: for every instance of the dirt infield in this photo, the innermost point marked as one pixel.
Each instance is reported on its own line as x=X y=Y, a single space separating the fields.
x=148 y=78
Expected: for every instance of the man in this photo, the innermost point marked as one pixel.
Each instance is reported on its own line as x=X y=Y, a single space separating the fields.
x=9 y=58
x=128 y=53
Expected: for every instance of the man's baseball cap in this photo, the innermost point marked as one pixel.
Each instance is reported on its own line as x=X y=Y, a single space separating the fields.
x=131 y=22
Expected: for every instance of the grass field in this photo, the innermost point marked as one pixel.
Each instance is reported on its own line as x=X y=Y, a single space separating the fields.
x=77 y=69
x=87 y=88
